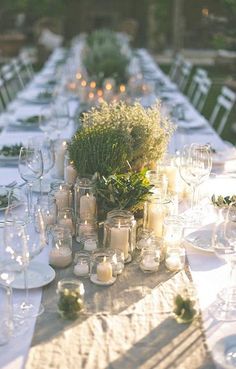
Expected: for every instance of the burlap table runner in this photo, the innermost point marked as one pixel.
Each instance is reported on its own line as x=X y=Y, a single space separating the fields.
x=125 y=326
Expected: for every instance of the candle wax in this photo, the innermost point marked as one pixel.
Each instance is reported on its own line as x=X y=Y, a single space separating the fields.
x=173 y=262
x=70 y=174
x=104 y=271
x=81 y=269
x=120 y=240
x=61 y=257
x=156 y=217
x=90 y=245
x=87 y=207
x=62 y=199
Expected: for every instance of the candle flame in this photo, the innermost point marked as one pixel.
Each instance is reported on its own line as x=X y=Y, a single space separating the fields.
x=91 y=95
x=100 y=93
x=108 y=86
x=122 y=88
x=78 y=75
x=93 y=84
x=104 y=259
x=83 y=83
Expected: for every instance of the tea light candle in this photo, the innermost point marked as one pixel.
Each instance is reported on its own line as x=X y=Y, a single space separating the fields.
x=81 y=269
x=60 y=257
x=59 y=159
x=87 y=207
x=173 y=262
x=156 y=217
x=149 y=263
x=104 y=271
x=92 y=85
x=90 y=245
x=70 y=174
x=120 y=239
x=62 y=198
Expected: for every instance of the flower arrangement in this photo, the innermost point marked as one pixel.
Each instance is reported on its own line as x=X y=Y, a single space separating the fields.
x=116 y=141
x=104 y=57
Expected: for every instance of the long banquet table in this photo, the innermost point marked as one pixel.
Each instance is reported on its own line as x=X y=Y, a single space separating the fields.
x=127 y=324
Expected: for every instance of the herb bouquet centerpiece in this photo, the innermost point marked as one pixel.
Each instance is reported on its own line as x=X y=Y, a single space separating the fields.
x=114 y=144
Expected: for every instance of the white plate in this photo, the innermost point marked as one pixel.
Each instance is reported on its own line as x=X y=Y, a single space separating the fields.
x=225 y=352
x=201 y=239
x=39 y=275
x=93 y=278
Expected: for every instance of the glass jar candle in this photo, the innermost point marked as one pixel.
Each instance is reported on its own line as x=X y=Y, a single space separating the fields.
x=66 y=219
x=85 y=201
x=120 y=232
x=156 y=209
x=60 y=147
x=60 y=241
x=150 y=259
x=143 y=238
x=71 y=298
x=103 y=268
x=62 y=194
x=173 y=231
x=118 y=260
x=49 y=211
x=159 y=181
x=86 y=230
x=82 y=264
x=175 y=258
x=70 y=173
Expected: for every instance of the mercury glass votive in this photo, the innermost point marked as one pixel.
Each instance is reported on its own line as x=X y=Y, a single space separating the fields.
x=70 y=298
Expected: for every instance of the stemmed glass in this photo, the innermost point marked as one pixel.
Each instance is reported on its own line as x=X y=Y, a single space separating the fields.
x=224 y=244
x=47 y=149
x=45 y=121
x=61 y=116
x=30 y=167
x=21 y=244
x=195 y=163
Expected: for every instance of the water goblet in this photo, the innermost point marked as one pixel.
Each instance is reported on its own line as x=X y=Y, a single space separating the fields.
x=30 y=167
x=224 y=244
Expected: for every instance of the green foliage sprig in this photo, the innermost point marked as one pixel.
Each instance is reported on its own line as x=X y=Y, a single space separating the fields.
x=101 y=149
x=103 y=57
x=122 y=191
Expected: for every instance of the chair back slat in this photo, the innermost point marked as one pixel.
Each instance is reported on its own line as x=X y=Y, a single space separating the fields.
x=224 y=104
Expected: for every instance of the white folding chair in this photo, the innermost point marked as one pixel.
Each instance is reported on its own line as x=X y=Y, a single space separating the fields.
x=224 y=105
x=184 y=74
x=26 y=68
x=174 y=70
x=11 y=80
x=198 y=75
x=201 y=93
x=3 y=96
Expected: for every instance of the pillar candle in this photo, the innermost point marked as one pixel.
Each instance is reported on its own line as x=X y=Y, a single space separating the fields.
x=62 y=198
x=156 y=217
x=59 y=160
x=67 y=223
x=87 y=207
x=81 y=269
x=104 y=271
x=70 y=174
x=120 y=240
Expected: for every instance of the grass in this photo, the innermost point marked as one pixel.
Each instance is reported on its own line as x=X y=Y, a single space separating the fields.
x=219 y=77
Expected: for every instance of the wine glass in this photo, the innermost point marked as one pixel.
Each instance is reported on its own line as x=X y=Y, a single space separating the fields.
x=47 y=149
x=45 y=121
x=30 y=166
x=224 y=244
x=61 y=116
x=195 y=163
x=21 y=244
